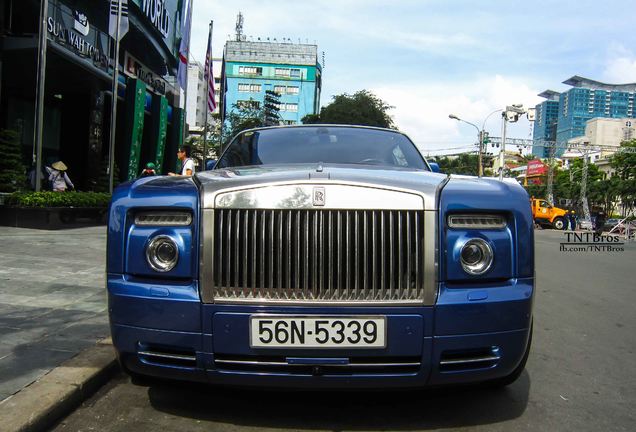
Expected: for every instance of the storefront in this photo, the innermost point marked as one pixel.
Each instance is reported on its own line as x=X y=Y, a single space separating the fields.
x=78 y=86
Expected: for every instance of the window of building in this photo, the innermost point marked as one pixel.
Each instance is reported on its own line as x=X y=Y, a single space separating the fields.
x=252 y=88
x=248 y=104
x=294 y=73
x=280 y=89
x=289 y=122
x=292 y=90
x=282 y=72
x=291 y=107
x=250 y=70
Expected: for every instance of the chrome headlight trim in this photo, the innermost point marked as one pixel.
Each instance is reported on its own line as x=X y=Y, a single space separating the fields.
x=476 y=221
x=484 y=263
x=163 y=218
x=152 y=254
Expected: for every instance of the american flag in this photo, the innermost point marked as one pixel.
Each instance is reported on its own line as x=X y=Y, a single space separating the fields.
x=208 y=74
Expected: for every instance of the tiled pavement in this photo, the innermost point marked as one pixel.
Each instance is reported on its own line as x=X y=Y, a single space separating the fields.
x=52 y=300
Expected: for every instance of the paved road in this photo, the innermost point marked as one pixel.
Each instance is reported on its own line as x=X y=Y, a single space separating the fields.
x=52 y=300
x=580 y=374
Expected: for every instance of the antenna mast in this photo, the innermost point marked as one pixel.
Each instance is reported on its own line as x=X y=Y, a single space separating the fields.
x=239 y=27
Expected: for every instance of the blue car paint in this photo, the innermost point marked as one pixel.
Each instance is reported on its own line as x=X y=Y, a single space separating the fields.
x=469 y=312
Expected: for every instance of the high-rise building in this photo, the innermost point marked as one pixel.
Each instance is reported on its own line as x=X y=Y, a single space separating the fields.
x=587 y=99
x=290 y=69
x=196 y=102
x=545 y=123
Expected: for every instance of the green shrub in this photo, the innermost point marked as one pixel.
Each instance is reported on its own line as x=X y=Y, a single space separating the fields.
x=12 y=171
x=59 y=199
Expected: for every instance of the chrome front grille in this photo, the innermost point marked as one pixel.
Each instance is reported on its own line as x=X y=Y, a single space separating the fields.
x=371 y=256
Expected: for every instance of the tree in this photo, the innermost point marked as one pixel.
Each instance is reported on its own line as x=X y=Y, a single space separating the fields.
x=362 y=108
x=625 y=166
x=625 y=163
x=241 y=118
x=12 y=171
x=465 y=163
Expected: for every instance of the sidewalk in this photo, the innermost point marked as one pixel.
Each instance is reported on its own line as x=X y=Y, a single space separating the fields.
x=52 y=300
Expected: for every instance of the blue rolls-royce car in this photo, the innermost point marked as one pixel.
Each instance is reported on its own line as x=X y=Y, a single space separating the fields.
x=321 y=256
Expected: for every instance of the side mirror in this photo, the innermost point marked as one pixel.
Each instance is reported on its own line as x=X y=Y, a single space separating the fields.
x=434 y=166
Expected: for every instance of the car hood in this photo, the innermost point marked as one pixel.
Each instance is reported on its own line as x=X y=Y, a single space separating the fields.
x=423 y=183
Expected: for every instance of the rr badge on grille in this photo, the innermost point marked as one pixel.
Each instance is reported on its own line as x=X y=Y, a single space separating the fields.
x=319 y=196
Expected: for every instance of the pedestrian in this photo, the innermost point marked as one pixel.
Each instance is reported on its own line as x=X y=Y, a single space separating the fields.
x=187 y=164
x=59 y=180
x=149 y=171
x=572 y=219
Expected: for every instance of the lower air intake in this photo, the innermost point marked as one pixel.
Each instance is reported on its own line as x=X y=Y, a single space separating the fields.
x=167 y=356
x=463 y=360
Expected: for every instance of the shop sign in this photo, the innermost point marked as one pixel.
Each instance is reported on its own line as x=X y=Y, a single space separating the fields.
x=165 y=16
x=134 y=68
x=536 y=168
x=156 y=12
x=74 y=31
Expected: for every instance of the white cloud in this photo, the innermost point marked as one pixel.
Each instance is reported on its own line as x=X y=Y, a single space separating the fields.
x=621 y=65
x=421 y=110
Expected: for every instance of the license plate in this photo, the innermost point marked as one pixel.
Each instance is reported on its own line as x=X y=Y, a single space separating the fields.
x=275 y=331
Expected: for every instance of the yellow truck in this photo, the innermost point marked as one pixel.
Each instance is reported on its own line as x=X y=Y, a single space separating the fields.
x=545 y=213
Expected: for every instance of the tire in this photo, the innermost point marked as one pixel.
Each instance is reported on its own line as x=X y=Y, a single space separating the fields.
x=558 y=223
x=509 y=379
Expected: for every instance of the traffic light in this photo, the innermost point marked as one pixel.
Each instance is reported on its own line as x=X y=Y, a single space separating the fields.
x=271 y=107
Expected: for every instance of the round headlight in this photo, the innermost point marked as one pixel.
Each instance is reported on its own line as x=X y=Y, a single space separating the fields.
x=476 y=256
x=162 y=253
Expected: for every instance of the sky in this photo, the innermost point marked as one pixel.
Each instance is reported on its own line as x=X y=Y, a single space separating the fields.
x=429 y=58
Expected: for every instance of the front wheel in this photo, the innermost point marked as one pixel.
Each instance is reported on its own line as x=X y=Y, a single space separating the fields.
x=558 y=223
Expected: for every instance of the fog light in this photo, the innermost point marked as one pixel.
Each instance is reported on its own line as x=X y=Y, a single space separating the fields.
x=162 y=253
x=476 y=256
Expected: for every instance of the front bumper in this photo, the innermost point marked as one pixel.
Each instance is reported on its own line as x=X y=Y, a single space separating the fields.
x=167 y=332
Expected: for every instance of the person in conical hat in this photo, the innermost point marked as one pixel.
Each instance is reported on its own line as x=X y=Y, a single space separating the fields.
x=59 y=180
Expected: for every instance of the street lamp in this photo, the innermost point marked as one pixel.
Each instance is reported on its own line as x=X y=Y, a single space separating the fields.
x=480 y=135
x=510 y=114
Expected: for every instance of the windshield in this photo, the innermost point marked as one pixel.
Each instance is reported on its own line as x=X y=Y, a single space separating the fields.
x=322 y=144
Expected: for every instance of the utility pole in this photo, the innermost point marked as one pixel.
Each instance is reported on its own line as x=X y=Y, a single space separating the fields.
x=550 y=187
x=113 y=106
x=502 y=151
x=39 y=110
x=480 y=168
x=583 y=195
x=480 y=138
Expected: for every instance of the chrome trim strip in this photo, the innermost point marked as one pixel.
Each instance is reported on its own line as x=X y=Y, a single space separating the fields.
x=349 y=365
x=206 y=264
x=168 y=356
x=469 y=360
x=430 y=251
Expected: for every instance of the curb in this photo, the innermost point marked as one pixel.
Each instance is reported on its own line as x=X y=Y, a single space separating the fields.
x=47 y=400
